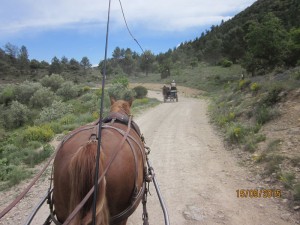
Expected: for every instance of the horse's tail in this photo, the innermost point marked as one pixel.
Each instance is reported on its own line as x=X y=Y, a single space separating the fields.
x=82 y=172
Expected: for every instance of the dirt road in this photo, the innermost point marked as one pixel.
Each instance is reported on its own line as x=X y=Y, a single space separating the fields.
x=197 y=176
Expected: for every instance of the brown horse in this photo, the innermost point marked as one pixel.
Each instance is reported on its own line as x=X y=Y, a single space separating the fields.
x=122 y=162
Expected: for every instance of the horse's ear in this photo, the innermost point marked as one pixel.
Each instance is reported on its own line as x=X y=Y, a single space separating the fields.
x=112 y=100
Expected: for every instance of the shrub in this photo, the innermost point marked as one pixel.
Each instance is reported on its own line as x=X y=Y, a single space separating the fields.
x=243 y=84
x=226 y=63
x=122 y=80
x=12 y=153
x=7 y=95
x=235 y=133
x=54 y=81
x=57 y=110
x=67 y=119
x=39 y=155
x=118 y=91
x=141 y=92
x=264 y=114
x=287 y=179
x=26 y=90
x=16 y=116
x=272 y=97
x=86 y=88
x=273 y=161
x=38 y=133
x=16 y=175
x=42 y=97
x=255 y=87
x=68 y=90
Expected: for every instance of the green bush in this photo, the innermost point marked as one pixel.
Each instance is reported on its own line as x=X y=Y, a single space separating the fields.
x=12 y=154
x=68 y=90
x=118 y=91
x=26 y=90
x=54 y=81
x=272 y=97
x=254 y=87
x=16 y=116
x=57 y=110
x=141 y=92
x=226 y=63
x=38 y=133
x=263 y=114
x=7 y=95
x=39 y=155
x=243 y=84
x=16 y=174
x=121 y=80
x=235 y=133
x=287 y=179
x=42 y=98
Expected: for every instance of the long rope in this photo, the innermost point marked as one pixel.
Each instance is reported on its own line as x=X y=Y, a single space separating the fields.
x=128 y=28
x=102 y=106
x=100 y=121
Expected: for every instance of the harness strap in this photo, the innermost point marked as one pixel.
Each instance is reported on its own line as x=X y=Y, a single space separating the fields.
x=84 y=200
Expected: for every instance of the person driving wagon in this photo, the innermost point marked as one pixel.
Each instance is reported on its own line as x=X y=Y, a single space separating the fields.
x=173 y=85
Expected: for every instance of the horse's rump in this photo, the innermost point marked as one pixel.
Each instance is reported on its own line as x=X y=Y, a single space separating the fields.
x=74 y=168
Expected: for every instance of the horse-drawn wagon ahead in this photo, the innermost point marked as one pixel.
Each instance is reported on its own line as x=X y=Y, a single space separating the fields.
x=170 y=94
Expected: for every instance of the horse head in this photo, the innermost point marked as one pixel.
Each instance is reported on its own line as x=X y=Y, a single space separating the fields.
x=120 y=106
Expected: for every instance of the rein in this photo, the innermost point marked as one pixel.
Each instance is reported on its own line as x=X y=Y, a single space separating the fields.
x=18 y=199
x=88 y=195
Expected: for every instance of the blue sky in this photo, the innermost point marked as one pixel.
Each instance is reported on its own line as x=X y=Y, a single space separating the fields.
x=77 y=28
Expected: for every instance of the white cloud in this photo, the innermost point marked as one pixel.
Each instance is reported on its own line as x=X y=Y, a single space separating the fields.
x=154 y=15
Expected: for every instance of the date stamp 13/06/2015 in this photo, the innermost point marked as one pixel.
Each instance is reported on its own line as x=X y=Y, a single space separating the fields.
x=258 y=193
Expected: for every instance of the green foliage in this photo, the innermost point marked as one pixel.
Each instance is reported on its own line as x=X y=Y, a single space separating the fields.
x=39 y=155
x=287 y=179
x=16 y=115
x=254 y=87
x=68 y=90
x=165 y=71
x=118 y=91
x=267 y=43
x=38 y=133
x=42 y=98
x=121 y=80
x=272 y=96
x=264 y=114
x=141 y=92
x=243 y=84
x=25 y=91
x=7 y=95
x=226 y=63
x=56 y=111
x=16 y=174
x=235 y=133
x=54 y=81
x=272 y=165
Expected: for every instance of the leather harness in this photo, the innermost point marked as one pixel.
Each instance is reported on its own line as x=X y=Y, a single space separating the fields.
x=137 y=195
